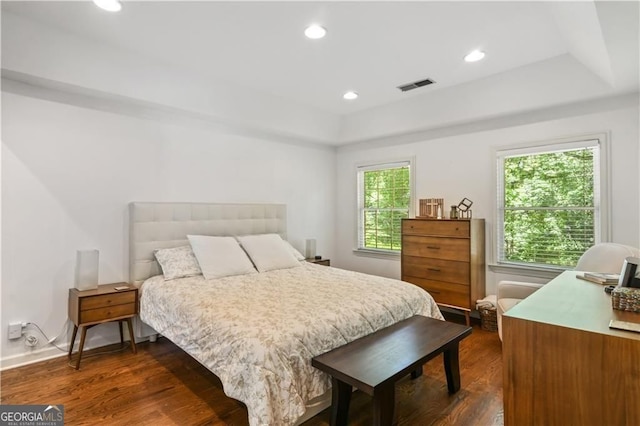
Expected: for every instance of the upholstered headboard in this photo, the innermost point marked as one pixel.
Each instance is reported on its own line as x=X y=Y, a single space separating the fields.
x=162 y=225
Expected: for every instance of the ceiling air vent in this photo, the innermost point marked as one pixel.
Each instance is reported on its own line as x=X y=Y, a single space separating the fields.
x=415 y=85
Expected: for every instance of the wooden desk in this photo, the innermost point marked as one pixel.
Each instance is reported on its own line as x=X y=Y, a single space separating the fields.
x=563 y=365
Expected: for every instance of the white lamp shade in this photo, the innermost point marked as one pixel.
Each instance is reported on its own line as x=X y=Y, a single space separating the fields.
x=310 y=249
x=87 y=269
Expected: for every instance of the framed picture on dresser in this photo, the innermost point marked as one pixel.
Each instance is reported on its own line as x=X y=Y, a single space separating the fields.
x=630 y=273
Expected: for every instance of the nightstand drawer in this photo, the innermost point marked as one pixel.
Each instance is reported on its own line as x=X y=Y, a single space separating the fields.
x=107 y=300
x=444 y=228
x=107 y=313
x=436 y=247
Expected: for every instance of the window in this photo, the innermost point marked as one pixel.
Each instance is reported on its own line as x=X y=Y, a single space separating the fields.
x=384 y=199
x=550 y=203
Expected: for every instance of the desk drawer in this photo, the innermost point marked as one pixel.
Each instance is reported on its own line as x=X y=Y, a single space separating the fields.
x=435 y=269
x=107 y=313
x=107 y=300
x=436 y=247
x=448 y=228
x=442 y=292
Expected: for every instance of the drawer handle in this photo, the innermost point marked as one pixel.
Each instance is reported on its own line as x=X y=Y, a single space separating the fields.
x=433 y=247
x=434 y=269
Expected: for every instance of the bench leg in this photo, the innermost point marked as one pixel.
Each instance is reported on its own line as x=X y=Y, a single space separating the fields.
x=340 y=399
x=452 y=368
x=384 y=406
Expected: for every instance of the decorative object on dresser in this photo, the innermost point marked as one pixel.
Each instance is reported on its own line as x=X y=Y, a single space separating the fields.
x=626 y=299
x=431 y=208
x=464 y=209
x=630 y=273
x=109 y=302
x=446 y=258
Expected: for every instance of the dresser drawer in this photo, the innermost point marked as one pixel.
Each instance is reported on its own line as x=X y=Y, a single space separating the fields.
x=436 y=247
x=444 y=228
x=447 y=293
x=435 y=269
x=107 y=313
x=106 y=300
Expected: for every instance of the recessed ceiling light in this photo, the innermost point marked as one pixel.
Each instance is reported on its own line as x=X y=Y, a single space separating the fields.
x=315 y=31
x=474 y=56
x=109 y=5
x=350 y=95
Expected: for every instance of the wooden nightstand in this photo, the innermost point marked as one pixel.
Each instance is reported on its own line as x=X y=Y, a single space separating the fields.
x=323 y=262
x=105 y=304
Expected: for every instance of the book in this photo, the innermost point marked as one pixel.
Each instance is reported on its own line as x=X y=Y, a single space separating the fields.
x=625 y=325
x=600 y=278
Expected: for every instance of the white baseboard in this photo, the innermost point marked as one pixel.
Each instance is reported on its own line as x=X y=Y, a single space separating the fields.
x=30 y=357
x=50 y=352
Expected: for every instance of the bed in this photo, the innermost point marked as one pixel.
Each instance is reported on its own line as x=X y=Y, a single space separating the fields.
x=258 y=331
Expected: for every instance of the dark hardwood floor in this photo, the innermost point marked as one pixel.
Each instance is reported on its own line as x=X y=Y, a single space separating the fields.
x=162 y=385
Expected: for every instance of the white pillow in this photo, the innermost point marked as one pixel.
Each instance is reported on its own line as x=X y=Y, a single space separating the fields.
x=295 y=251
x=268 y=252
x=220 y=256
x=177 y=262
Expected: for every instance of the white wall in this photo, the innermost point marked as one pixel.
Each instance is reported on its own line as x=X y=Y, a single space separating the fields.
x=462 y=165
x=68 y=173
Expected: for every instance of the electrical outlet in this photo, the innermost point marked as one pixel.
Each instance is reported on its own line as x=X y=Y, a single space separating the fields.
x=15 y=330
x=30 y=341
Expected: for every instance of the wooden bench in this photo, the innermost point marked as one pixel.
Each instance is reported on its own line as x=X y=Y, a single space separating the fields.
x=375 y=362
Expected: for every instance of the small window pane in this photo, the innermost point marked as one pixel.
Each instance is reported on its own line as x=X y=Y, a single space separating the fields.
x=386 y=198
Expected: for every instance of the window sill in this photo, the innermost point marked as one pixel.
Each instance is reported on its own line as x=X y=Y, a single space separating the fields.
x=378 y=254
x=528 y=271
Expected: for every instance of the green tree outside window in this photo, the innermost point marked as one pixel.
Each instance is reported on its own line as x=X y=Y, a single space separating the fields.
x=549 y=206
x=385 y=198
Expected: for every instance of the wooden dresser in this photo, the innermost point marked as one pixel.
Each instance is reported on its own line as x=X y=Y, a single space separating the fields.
x=446 y=258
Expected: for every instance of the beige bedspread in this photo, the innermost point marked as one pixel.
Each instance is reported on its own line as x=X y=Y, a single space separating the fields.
x=258 y=332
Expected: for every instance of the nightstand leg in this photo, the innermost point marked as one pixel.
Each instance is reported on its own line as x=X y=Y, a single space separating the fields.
x=121 y=335
x=131 y=337
x=82 y=336
x=467 y=318
x=73 y=339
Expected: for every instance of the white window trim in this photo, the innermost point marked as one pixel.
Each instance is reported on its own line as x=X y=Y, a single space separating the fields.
x=605 y=205
x=380 y=253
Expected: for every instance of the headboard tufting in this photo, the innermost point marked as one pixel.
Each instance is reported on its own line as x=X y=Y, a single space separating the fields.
x=163 y=225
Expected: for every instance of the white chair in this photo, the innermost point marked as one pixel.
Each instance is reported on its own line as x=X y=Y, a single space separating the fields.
x=603 y=257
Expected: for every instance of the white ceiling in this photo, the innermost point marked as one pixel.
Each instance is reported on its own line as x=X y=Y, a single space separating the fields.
x=371 y=47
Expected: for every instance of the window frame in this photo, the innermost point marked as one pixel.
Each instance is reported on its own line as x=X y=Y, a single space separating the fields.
x=379 y=165
x=602 y=207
